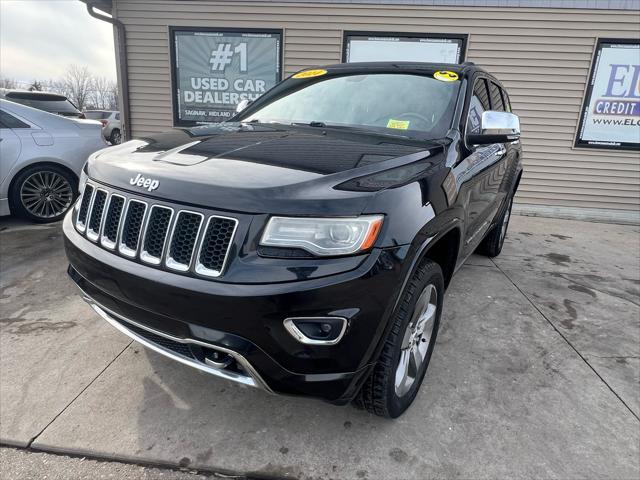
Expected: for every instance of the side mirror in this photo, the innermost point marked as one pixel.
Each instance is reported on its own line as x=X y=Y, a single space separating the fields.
x=242 y=105
x=496 y=127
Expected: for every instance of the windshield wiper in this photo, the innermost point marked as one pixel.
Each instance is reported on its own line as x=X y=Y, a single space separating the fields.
x=311 y=124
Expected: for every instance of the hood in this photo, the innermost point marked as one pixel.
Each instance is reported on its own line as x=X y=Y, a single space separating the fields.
x=255 y=168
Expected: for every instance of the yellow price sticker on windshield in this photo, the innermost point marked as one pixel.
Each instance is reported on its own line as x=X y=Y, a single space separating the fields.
x=398 y=124
x=310 y=73
x=446 y=76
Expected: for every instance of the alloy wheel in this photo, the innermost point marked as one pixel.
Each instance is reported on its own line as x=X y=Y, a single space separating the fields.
x=46 y=194
x=417 y=338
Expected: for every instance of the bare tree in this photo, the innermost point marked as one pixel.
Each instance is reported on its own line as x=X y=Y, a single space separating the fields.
x=36 y=86
x=114 y=96
x=8 y=82
x=101 y=95
x=76 y=85
x=54 y=86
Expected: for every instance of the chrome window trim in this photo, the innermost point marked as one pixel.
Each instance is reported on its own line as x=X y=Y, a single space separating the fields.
x=122 y=248
x=144 y=255
x=91 y=234
x=200 y=269
x=104 y=241
x=252 y=379
x=170 y=262
x=302 y=338
x=81 y=227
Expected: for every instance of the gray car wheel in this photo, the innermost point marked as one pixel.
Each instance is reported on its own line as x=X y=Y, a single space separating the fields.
x=43 y=193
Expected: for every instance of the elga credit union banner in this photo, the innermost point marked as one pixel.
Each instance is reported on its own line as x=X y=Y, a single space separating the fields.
x=611 y=109
x=214 y=70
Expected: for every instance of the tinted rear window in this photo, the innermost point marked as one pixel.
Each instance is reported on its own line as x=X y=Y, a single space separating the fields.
x=97 y=115
x=64 y=107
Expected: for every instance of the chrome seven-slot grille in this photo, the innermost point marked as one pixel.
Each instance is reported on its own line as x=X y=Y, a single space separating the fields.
x=176 y=239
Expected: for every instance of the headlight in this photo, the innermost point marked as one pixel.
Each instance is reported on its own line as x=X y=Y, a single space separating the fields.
x=323 y=236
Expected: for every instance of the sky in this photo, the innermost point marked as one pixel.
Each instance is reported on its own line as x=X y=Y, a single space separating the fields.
x=40 y=38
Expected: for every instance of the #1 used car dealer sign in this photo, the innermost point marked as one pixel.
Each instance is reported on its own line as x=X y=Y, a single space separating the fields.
x=611 y=110
x=214 y=69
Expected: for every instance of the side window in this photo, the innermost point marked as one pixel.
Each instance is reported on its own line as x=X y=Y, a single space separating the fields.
x=118 y=116
x=478 y=104
x=496 y=98
x=9 y=121
x=506 y=101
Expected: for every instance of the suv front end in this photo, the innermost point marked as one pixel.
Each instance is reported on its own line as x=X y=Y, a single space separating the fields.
x=157 y=271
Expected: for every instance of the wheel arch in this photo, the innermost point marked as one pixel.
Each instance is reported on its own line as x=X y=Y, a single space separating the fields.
x=444 y=250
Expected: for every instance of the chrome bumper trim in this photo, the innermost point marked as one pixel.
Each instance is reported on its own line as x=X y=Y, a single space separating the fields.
x=252 y=380
x=295 y=332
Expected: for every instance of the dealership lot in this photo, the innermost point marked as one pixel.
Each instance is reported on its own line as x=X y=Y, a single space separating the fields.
x=536 y=374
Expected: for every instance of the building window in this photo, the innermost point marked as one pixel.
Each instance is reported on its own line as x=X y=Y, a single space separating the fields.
x=610 y=115
x=213 y=69
x=403 y=47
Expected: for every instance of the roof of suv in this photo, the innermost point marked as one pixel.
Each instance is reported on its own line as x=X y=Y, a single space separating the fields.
x=462 y=69
x=465 y=67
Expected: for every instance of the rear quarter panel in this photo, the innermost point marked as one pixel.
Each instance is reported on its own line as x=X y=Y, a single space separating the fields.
x=70 y=149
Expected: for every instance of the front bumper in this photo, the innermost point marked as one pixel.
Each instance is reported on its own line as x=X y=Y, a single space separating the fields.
x=247 y=320
x=179 y=349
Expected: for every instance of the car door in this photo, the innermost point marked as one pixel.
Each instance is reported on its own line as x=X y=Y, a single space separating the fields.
x=10 y=144
x=480 y=174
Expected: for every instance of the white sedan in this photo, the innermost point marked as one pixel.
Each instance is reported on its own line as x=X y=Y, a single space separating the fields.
x=41 y=158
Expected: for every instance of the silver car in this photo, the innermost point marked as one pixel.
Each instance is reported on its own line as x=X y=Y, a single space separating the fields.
x=110 y=121
x=41 y=159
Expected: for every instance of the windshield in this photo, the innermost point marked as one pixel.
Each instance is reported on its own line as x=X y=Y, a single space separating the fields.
x=401 y=104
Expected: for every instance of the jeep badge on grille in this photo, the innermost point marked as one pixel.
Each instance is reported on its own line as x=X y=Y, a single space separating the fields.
x=148 y=183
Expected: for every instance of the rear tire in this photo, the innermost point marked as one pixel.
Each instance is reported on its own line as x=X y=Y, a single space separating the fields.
x=43 y=193
x=492 y=244
x=396 y=378
x=116 y=137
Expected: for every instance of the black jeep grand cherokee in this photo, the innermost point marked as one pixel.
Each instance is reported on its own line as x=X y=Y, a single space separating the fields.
x=305 y=247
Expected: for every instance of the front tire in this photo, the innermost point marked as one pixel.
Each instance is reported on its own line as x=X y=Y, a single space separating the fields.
x=43 y=193
x=396 y=378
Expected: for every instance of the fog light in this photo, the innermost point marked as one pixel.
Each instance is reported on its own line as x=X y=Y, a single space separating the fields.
x=217 y=359
x=317 y=330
